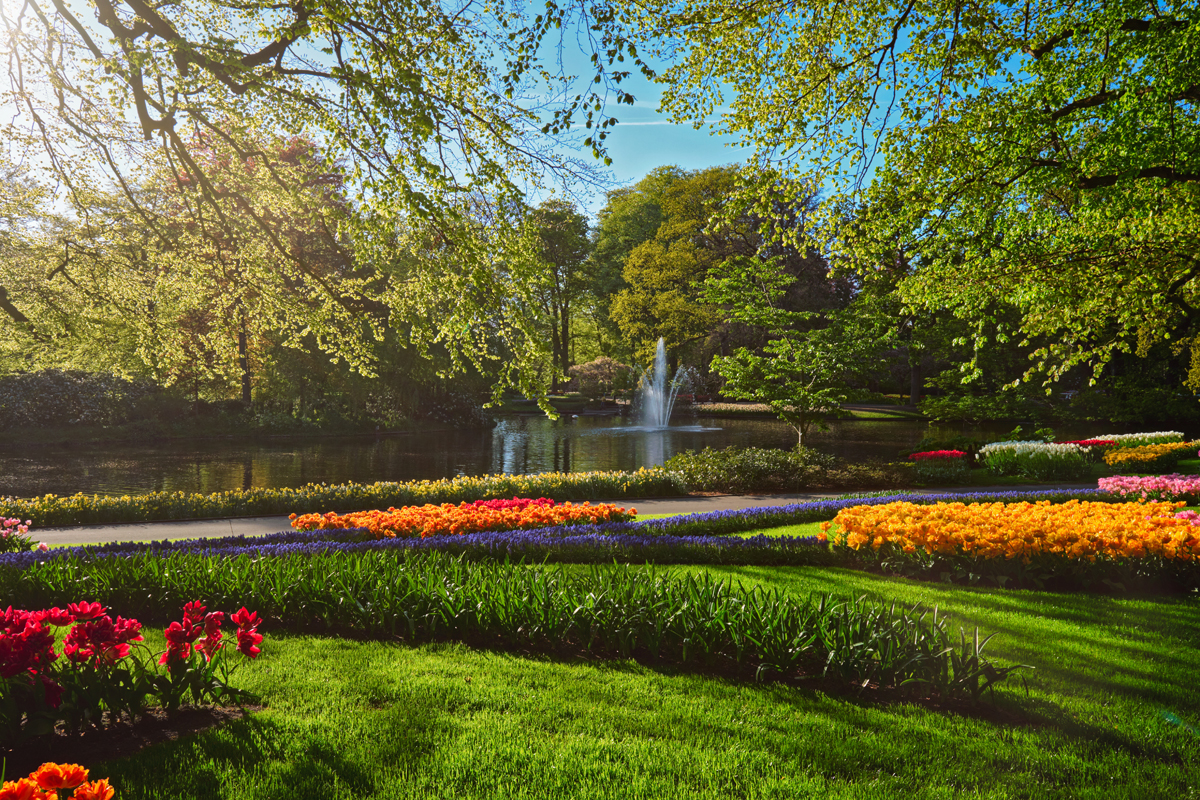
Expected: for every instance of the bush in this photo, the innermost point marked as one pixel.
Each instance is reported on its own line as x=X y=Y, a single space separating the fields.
x=68 y=397
x=738 y=470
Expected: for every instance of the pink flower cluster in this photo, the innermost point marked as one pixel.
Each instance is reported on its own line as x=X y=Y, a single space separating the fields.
x=1190 y=516
x=930 y=455
x=1091 y=442
x=1153 y=487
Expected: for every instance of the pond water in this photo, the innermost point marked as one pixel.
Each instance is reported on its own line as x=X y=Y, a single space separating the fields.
x=516 y=445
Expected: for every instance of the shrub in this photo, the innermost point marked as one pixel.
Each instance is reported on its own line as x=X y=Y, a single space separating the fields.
x=67 y=397
x=751 y=469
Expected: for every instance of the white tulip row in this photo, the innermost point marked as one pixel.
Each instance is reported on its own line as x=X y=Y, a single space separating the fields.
x=1137 y=439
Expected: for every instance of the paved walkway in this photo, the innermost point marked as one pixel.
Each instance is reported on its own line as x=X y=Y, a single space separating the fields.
x=257 y=526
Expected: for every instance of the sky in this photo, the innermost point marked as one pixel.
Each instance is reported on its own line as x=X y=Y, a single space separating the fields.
x=644 y=139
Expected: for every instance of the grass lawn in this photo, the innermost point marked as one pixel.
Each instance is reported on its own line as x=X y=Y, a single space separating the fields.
x=351 y=719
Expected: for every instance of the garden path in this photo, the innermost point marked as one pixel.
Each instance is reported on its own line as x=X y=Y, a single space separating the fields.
x=257 y=526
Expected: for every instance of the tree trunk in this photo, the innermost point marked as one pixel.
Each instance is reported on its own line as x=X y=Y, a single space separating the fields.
x=914 y=380
x=564 y=338
x=244 y=361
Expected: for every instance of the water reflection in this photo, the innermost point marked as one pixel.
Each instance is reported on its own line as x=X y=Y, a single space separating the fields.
x=516 y=445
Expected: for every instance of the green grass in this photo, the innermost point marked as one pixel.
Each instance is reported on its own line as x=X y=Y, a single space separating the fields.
x=347 y=719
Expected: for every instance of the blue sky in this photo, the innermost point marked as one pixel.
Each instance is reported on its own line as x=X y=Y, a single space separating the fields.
x=644 y=139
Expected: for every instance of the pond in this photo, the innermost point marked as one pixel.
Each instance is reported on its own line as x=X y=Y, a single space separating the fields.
x=526 y=444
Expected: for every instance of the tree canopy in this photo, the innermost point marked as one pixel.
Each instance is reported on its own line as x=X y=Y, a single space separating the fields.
x=1040 y=155
x=442 y=113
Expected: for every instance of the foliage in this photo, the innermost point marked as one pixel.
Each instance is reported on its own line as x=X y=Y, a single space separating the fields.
x=68 y=397
x=1077 y=544
x=452 y=520
x=1149 y=457
x=751 y=469
x=604 y=610
x=802 y=371
x=434 y=117
x=562 y=245
x=82 y=509
x=1011 y=405
x=93 y=681
x=603 y=376
x=1039 y=158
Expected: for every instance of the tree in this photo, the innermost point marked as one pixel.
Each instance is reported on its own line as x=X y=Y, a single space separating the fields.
x=563 y=246
x=1039 y=156
x=664 y=276
x=802 y=370
x=433 y=106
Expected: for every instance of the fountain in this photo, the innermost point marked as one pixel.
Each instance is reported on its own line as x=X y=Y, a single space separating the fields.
x=657 y=396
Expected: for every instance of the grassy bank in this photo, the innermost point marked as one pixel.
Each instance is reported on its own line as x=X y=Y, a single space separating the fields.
x=352 y=719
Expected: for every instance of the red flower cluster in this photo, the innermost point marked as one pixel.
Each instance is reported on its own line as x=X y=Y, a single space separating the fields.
x=930 y=455
x=248 y=636
x=181 y=636
x=1091 y=442
x=26 y=644
x=101 y=640
x=518 y=503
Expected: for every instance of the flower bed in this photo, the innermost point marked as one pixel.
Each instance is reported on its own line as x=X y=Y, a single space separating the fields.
x=1138 y=439
x=1034 y=541
x=82 y=509
x=482 y=515
x=1149 y=457
x=1039 y=461
x=1154 y=487
x=940 y=465
x=684 y=539
x=705 y=622
x=41 y=687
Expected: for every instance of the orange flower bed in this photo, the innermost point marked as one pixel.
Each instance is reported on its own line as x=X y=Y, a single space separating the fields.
x=1073 y=530
x=449 y=519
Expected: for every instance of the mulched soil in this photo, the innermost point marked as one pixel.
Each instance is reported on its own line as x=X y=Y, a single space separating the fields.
x=120 y=739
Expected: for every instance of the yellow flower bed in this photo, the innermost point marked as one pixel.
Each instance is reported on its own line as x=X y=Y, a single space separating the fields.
x=1074 y=530
x=1133 y=457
